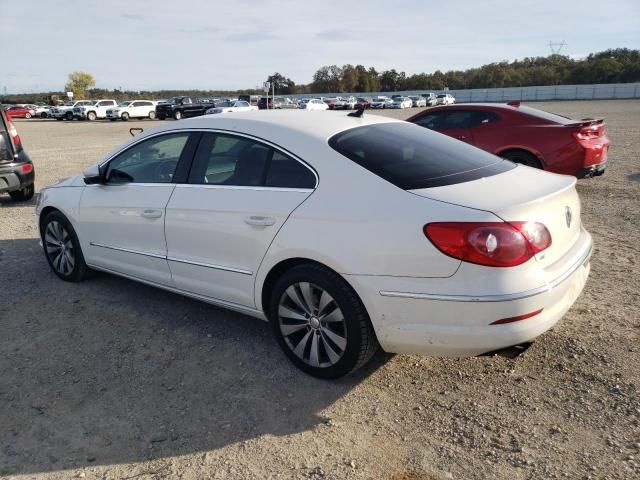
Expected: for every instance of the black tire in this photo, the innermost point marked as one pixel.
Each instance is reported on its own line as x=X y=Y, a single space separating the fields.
x=361 y=342
x=522 y=157
x=177 y=115
x=91 y=116
x=59 y=119
x=72 y=245
x=125 y=117
x=152 y=115
x=24 y=194
x=68 y=116
x=44 y=115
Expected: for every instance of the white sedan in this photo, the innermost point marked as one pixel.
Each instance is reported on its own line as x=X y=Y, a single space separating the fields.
x=345 y=233
x=237 y=106
x=314 y=104
x=401 y=102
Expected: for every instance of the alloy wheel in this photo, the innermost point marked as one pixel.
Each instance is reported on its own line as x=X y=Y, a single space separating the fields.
x=59 y=248
x=312 y=324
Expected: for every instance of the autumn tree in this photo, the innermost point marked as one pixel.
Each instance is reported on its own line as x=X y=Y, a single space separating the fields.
x=79 y=83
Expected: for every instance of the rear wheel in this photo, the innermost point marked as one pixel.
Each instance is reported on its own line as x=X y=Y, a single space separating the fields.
x=522 y=157
x=62 y=248
x=152 y=115
x=27 y=115
x=23 y=194
x=68 y=116
x=44 y=115
x=320 y=322
x=125 y=116
x=91 y=116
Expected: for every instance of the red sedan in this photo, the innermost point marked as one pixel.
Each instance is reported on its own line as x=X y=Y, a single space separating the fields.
x=20 y=112
x=524 y=135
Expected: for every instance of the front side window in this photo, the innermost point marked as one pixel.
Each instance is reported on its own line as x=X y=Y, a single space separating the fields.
x=150 y=161
x=459 y=119
x=238 y=161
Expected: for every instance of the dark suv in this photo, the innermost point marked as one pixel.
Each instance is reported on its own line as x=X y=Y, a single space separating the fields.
x=16 y=169
x=277 y=103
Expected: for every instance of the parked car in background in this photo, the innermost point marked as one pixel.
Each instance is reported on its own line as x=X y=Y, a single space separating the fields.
x=486 y=254
x=43 y=111
x=332 y=102
x=98 y=109
x=430 y=99
x=445 y=99
x=400 y=102
x=237 y=106
x=277 y=103
x=346 y=103
x=17 y=175
x=65 y=112
x=524 y=135
x=314 y=104
x=181 y=107
x=16 y=111
x=132 y=109
x=381 y=103
x=363 y=103
x=418 y=101
x=251 y=99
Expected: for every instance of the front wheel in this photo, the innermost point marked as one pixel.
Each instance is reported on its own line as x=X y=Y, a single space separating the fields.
x=125 y=117
x=320 y=322
x=62 y=248
x=152 y=115
x=27 y=115
x=177 y=115
x=91 y=116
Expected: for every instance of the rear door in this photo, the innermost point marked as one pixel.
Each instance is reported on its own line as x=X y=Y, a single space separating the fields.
x=220 y=225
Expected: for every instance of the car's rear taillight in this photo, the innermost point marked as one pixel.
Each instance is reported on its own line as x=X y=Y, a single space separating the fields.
x=589 y=132
x=494 y=244
x=13 y=133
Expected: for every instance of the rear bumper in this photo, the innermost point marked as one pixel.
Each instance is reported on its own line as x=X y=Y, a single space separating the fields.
x=13 y=178
x=416 y=322
x=592 y=171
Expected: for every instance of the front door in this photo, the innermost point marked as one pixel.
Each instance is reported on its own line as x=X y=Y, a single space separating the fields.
x=220 y=225
x=122 y=219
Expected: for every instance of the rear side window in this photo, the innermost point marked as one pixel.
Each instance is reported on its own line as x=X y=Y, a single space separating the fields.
x=412 y=157
x=288 y=173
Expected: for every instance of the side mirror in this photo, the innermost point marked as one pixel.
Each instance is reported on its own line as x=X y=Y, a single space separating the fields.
x=92 y=175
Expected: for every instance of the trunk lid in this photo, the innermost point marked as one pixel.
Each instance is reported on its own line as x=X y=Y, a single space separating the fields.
x=522 y=194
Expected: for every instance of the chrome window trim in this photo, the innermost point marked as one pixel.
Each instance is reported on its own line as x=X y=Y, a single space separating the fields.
x=241 y=187
x=584 y=258
x=174 y=259
x=217 y=130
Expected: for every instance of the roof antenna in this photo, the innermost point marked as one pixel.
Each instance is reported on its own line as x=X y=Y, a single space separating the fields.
x=358 y=113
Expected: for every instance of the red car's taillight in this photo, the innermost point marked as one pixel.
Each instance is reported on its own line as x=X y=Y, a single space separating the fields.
x=494 y=244
x=589 y=132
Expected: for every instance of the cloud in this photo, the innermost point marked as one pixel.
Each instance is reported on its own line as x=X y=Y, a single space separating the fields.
x=250 y=37
x=339 y=35
x=132 y=16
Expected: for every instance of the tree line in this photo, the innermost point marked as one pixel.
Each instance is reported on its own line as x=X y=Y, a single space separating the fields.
x=620 y=65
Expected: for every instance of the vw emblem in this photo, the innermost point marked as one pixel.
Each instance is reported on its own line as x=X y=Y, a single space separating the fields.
x=568 y=215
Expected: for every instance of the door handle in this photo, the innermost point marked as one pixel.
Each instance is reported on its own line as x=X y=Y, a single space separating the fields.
x=152 y=213
x=260 y=221
x=461 y=137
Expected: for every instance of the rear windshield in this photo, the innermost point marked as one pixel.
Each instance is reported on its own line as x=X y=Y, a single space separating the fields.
x=552 y=117
x=412 y=157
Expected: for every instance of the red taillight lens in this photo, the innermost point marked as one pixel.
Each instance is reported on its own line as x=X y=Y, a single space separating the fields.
x=589 y=133
x=494 y=244
x=26 y=168
x=13 y=133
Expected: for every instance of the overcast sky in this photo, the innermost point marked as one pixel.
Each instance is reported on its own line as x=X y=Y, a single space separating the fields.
x=212 y=44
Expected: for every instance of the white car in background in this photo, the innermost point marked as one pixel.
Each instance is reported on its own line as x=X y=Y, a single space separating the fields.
x=237 y=106
x=445 y=99
x=381 y=103
x=418 y=101
x=132 y=109
x=65 y=112
x=43 y=111
x=314 y=104
x=97 y=109
x=401 y=102
x=375 y=232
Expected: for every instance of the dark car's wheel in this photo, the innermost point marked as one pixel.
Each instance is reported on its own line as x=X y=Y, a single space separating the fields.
x=91 y=116
x=125 y=117
x=522 y=157
x=62 y=248
x=44 y=115
x=152 y=115
x=177 y=115
x=320 y=322
x=23 y=194
x=68 y=116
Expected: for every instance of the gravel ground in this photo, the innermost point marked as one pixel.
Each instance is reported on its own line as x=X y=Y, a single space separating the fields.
x=111 y=379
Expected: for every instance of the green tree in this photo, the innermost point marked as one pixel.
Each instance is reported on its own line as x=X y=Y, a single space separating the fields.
x=79 y=83
x=283 y=85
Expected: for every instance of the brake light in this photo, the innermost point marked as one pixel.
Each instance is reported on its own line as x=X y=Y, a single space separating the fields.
x=26 y=168
x=589 y=133
x=13 y=133
x=494 y=244
x=502 y=321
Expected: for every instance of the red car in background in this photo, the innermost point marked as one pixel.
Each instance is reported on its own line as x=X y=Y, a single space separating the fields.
x=524 y=135
x=20 y=112
x=363 y=103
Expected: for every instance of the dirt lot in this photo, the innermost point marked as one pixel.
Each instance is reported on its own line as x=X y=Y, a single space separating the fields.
x=111 y=379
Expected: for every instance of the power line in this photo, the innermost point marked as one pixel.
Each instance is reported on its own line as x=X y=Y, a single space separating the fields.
x=556 y=46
